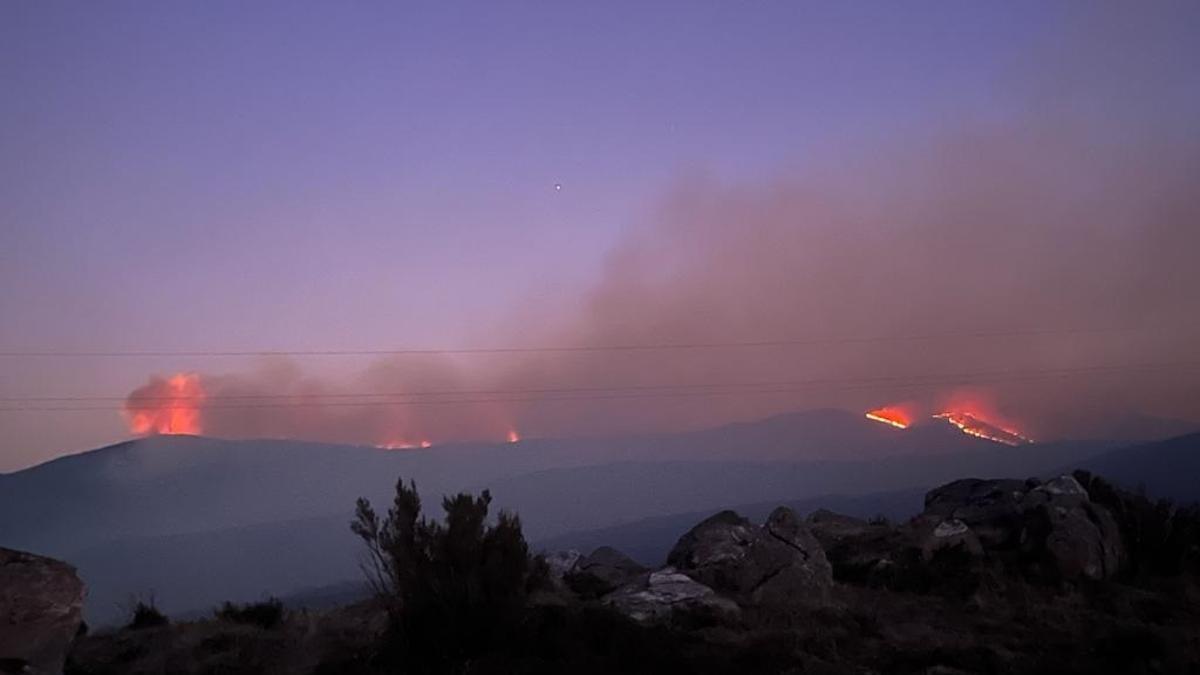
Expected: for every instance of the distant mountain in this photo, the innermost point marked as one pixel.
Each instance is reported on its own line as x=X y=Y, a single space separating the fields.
x=1169 y=468
x=173 y=484
x=200 y=520
x=1131 y=428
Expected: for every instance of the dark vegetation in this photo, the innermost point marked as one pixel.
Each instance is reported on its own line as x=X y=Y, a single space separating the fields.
x=452 y=590
x=265 y=614
x=145 y=614
x=465 y=595
x=1162 y=540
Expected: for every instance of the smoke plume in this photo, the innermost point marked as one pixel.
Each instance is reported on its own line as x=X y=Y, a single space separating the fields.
x=1044 y=260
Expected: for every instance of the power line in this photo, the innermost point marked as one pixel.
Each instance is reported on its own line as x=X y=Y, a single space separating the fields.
x=669 y=391
x=663 y=346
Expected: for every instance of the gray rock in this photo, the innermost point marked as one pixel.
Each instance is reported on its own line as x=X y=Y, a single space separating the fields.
x=1054 y=519
x=779 y=563
x=1063 y=486
x=1083 y=541
x=993 y=509
x=855 y=544
x=950 y=528
x=562 y=563
x=829 y=526
x=41 y=609
x=663 y=593
x=806 y=580
x=601 y=572
x=948 y=534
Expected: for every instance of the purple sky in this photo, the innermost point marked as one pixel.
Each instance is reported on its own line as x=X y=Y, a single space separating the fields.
x=301 y=175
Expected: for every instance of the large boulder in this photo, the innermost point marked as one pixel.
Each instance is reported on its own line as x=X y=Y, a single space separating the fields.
x=808 y=578
x=993 y=509
x=1053 y=523
x=41 y=610
x=859 y=550
x=778 y=563
x=660 y=595
x=1081 y=539
x=603 y=571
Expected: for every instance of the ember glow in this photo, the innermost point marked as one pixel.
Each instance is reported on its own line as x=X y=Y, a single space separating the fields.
x=404 y=445
x=972 y=425
x=396 y=445
x=891 y=416
x=513 y=436
x=166 y=406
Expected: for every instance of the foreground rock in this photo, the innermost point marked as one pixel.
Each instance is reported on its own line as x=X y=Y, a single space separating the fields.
x=1053 y=523
x=41 y=610
x=780 y=563
x=663 y=593
x=603 y=571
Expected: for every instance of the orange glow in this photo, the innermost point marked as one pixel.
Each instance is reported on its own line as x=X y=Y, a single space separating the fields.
x=973 y=425
x=170 y=406
x=513 y=436
x=890 y=415
x=404 y=444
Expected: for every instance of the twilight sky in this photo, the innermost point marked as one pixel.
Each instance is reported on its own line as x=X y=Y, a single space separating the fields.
x=224 y=176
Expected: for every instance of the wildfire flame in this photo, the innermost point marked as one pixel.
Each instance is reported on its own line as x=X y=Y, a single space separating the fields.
x=404 y=445
x=513 y=436
x=892 y=416
x=972 y=425
x=166 y=406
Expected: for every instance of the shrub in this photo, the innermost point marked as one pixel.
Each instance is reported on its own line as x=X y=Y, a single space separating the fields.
x=145 y=614
x=1160 y=539
x=453 y=589
x=266 y=614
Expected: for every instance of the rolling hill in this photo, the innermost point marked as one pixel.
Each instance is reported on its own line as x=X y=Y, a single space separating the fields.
x=200 y=520
x=1166 y=469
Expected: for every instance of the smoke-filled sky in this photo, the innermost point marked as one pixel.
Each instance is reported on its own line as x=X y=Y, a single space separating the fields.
x=913 y=203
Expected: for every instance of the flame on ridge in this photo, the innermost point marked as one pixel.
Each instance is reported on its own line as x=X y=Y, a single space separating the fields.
x=166 y=406
x=972 y=425
x=404 y=445
x=890 y=415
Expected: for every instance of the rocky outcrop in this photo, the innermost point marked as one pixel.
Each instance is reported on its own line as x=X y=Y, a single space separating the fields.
x=859 y=550
x=659 y=595
x=1052 y=522
x=1082 y=538
x=561 y=563
x=993 y=509
x=778 y=563
x=41 y=610
x=969 y=528
x=603 y=571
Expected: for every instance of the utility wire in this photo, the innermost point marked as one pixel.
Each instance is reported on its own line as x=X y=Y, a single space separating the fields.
x=663 y=346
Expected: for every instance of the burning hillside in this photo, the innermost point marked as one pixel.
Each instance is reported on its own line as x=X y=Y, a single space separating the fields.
x=972 y=425
x=892 y=416
x=970 y=412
